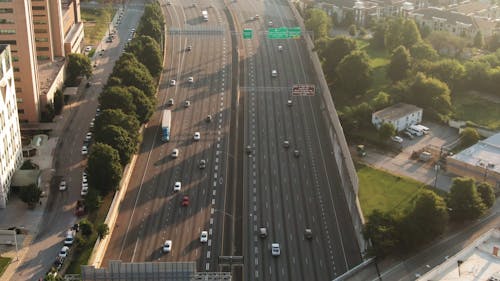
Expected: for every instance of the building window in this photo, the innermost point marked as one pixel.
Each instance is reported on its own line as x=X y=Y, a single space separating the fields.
x=7 y=31
x=42 y=57
x=16 y=69
x=9 y=42
x=42 y=48
x=17 y=79
x=19 y=90
x=40 y=30
x=6 y=21
x=39 y=22
x=19 y=100
x=15 y=58
x=20 y=111
x=41 y=39
x=6 y=11
x=38 y=8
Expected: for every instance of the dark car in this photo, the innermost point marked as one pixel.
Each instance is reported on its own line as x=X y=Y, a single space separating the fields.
x=185 y=201
x=203 y=164
x=308 y=234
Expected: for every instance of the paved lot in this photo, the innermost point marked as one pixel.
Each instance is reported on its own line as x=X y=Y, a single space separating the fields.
x=402 y=164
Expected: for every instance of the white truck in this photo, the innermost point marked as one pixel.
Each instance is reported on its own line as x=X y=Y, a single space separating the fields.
x=204 y=14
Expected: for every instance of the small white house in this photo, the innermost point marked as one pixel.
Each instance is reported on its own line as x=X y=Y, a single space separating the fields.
x=401 y=115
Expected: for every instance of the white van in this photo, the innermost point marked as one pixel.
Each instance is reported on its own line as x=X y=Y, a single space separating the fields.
x=415 y=131
x=422 y=128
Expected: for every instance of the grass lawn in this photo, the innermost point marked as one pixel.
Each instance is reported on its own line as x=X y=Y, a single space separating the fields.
x=381 y=190
x=4 y=262
x=473 y=107
x=96 y=23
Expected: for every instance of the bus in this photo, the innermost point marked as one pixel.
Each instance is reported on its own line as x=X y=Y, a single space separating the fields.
x=165 y=125
x=204 y=14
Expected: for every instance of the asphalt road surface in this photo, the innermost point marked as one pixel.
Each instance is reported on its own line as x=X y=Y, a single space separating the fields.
x=284 y=193
x=151 y=212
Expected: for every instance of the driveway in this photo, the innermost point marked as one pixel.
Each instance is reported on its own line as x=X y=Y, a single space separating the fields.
x=401 y=164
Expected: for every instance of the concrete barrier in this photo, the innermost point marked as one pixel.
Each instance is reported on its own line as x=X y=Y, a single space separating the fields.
x=347 y=172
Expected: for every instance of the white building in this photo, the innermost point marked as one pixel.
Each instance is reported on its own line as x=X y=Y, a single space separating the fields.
x=400 y=115
x=11 y=155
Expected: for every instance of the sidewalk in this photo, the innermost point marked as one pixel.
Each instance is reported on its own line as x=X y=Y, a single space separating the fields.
x=17 y=212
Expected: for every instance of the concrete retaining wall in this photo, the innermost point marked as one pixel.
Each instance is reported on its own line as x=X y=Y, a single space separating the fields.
x=343 y=158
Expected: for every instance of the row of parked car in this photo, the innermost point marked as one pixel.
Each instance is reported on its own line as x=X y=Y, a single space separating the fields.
x=68 y=242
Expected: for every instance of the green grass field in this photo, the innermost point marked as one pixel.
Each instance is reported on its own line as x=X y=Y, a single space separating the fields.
x=384 y=191
x=4 y=262
x=476 y=109
x=96 y=23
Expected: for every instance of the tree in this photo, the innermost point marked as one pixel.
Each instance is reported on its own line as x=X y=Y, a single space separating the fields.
x=381 y=230
x=378 y=35
x=117 y=98
x=30 y=194
x=58 y=102
x=431 y=94
x=446 y=43
x=401 y=32
x=118 y=118
x=469 y=136
x=494 y=42
x=423 y=51
x=464 y=200
x=148 y=52
x=486 y=193
x=348 y=19
x=400 y=64
x=104 y=168
x=380 y=101
x=86 y=227
x=78 y=65
x=92 y=200
x=411 y=34
x=386 y=131
x=478 y=40
x=133 y=73
x=120 y=140
x=102 y=230
x=319 y=22
x=144 y=106
x=476 y=74
x=427 y=219
x=353 y=30
x=150 y=27
x=335 y=50
x=355 y=73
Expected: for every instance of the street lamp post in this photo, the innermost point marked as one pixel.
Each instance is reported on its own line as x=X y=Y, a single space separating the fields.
x=436 y=167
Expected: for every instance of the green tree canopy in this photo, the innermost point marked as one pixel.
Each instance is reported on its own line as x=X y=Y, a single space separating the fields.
x=104 y=168
x=464 y=200
x=144 y=106
x=381 y=100
x=133 y=73
x=102 y=230
x=30 y=194
x=355 y=73
x=400 y=64
x=469 y=136
x=86 y=227
x=116 y=117
x=411 y=34
x=378 y=34
x=78 y=65
x=319 y=22
x=478 y=40
x=431 y=94
x=353 y=30
x=449 y=71
x=150 y=27
x=476 y=74
x=401 y=32
x=447 y=43
x=120 y=140
x=148 y=52
x=381 y=229
x=386 y=131
x=117 y=98
x=423 y=51
x=486 y=193
x=334 y=51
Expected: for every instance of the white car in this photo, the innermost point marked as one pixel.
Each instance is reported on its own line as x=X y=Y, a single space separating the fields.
x=397 y=139
x=170 y=102
x=85 y=184
x=85 y=190
x=84 y=175
x=190 y=79
x=204 y=237
x=175 y=153
x=280 y=48
x=177 y=186
x=173 y=82
x=167 y=247
x=64 y=252
x=270 y=23
x=274 y=73
x=275 y=249
x=289 y=102
x=92 y=123
x=197 y=136
x=62 y=185
x=88 y=48
x=88 y=137
x=187 y=104
x=85 y=150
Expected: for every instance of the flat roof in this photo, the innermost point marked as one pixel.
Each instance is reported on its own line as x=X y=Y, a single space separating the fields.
x=396 y=111
x=485 y=153
x=478 y=261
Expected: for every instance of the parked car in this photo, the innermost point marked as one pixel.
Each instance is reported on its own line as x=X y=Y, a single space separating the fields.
x=397 y=139
x=170 y=102
x=167 y=246
x=175 y=153
x=197 y=136
x=203 y=164
x=173 y=82
x=64 y=252
x=62 y=185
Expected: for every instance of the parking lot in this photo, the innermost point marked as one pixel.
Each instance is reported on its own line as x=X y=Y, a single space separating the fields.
x=439 y=136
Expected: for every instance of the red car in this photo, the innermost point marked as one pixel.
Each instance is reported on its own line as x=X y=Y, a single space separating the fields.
x=80 y=208
x=185 y=200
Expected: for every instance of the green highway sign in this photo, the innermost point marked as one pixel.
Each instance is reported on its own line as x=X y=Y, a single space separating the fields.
x=284 y=33
x=247 y=33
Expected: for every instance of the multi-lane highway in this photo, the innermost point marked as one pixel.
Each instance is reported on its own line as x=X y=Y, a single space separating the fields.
x=151 y=212
x=284 y=193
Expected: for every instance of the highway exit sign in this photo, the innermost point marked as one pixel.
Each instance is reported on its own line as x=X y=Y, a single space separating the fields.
x=284 y=33
x=294 y=32
x=247 y=33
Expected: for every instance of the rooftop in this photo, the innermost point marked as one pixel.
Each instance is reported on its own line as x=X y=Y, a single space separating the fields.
x=478 y=261
x=396 y=111
x=47 y=72
x=485 y=153
x=450 y=17
x=471 y=7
